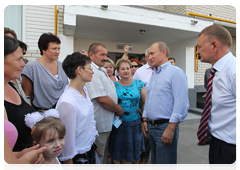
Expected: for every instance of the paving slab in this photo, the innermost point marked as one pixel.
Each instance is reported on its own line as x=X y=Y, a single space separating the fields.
x=190 y=155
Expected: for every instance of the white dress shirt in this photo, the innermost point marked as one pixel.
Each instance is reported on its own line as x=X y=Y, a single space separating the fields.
x=144 y=74
x=101 y=85
x=222 y=121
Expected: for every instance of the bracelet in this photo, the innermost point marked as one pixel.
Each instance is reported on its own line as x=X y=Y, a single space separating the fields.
x=144 y=121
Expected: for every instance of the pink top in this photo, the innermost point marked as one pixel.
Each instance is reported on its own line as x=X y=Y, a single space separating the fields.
x=11 y=132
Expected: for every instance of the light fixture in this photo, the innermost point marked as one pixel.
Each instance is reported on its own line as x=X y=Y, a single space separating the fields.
x=194 y=22
x=104 y=7
x=142 y=31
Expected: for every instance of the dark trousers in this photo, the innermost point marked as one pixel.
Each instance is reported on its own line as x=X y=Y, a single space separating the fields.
x=145 y=155
x=86 y=158
x=221 y=152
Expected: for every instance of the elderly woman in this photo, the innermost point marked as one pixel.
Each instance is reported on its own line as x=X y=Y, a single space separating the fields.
x=43 y=79
x=135 y=65
x=126 y=141
x=17 y=134
x=17 y=82
x=15 y=105
x=77 y=112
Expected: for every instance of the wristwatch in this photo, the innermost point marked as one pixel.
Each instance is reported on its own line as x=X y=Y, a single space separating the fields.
x=144 y=121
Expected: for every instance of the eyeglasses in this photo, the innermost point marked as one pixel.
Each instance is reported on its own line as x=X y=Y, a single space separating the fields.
x=91 y=68
x=136 y=66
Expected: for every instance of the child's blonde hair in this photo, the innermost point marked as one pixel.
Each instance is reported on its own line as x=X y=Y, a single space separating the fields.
x=48 y=123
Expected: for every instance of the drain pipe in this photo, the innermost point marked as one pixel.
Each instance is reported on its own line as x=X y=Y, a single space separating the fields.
x=56 y=19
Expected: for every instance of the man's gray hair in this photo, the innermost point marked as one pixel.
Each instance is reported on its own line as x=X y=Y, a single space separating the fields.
x=217 y=32
x=146 y=52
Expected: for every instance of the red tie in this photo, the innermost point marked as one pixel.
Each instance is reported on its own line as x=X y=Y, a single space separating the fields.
x=203 y=127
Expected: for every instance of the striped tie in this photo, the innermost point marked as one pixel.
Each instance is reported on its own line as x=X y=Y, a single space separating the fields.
x=203 y=127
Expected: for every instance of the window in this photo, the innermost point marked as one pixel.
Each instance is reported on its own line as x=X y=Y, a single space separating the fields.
x=13 y=19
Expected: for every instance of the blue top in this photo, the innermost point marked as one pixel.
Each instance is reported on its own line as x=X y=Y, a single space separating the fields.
x=167 y=94
x=128 y=98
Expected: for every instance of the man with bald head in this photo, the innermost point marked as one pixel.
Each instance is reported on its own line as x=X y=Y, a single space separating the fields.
x=165 y=107
x=220 y=115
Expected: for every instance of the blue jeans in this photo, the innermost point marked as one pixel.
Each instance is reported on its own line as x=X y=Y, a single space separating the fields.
x=161 y=154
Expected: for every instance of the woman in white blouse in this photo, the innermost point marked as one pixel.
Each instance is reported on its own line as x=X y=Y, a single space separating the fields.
x=77 y=113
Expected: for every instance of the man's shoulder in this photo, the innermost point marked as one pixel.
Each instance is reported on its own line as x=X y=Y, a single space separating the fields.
x=226 y=65
x=144 y=67
x=232 y=64
x=140 y=71
x=175 y=69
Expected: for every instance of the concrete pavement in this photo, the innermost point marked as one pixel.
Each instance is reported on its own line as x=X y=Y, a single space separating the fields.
x=190 y=155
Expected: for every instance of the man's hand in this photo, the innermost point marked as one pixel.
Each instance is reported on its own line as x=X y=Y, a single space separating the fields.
x=120 y=111
x=145 y=129
x=126 y=49
x=168 y=134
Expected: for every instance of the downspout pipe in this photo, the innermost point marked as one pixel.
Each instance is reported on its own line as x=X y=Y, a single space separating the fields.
x=56 y=19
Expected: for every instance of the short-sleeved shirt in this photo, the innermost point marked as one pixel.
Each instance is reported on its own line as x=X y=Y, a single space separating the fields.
x=47 y=88
x=101 y=85
x=129 y=98
x=144 y=73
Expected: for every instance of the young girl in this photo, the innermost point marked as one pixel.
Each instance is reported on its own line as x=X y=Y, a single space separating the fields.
x=49 y=131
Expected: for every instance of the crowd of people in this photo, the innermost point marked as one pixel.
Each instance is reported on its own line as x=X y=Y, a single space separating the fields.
x=121 y=110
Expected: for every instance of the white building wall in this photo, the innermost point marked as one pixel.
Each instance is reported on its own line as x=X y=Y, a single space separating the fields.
x=227 y=12
x=190 y=66
x=40 y=19
x=199 y=75
x=179 y=9
x=183 y=52
x=233 y=47
x=67 y=44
